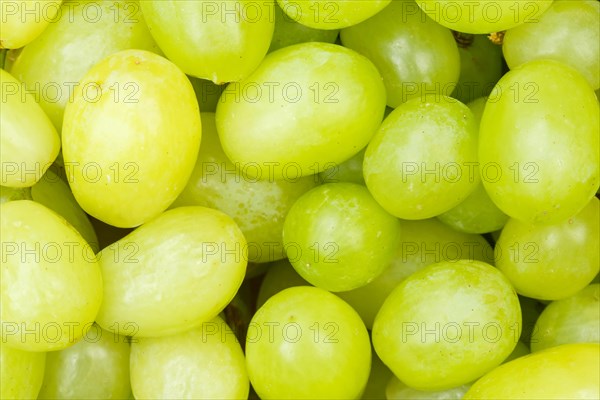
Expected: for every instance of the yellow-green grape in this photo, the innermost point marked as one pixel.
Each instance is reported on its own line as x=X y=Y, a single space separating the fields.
x=566 y=32
x=416 y=56
x=204 y=363
x=421 y=243
x=172 y=273
x=447 y=324
x=306 y=343
x=398 y=390
x=96 y=367
x=336 y=14
x=219 y=41
x=338 y=238
x=21 y=373
x=83 y=33
x=51 y=282
x=281 y=275
x=572 y=320
x=288 y=32
x=410 y=177
x=127 y=158
x=539 y=148
x=28 y=141
x=553 y=261
x=258 y=207
x=306 y=108
x=565 y=372
x=484 y=16
x=23 y=21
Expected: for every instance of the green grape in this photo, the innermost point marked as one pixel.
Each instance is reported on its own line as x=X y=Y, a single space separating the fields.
x=281 y=275
x=11 y=194
x=28 y=141
x=447 y=324
x=258 y=207
x=51 y=282
x=320 y=102
x=571 y=320
x=421 y=243
x=23 y=21
x=96 y=367
x=219 y=41
x=484 y=16
x=348 y=171
x=566 y=32
x=539 y=148
x=128 y=160
x=551 y=262
x=396 y=389
x=204 y=363
x=306 y=343
x=378 y=379
x=334 y=14
x=477 y=213
x=207 y=93
x=338 y=238
x=480 y=66
x=408 y=176
x=192 y=256
x=565 y=372
x=288 y=32
x=21 y=373
x=82 y=34
x=414 y=54
x=55 y=194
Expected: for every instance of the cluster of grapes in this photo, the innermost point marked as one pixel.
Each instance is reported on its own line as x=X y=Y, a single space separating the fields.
x=336 y=199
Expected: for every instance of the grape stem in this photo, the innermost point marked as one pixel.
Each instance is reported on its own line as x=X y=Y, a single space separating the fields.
x=497 y=37
x=463 y=40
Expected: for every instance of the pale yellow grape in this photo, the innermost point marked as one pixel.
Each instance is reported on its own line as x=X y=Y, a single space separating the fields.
x=51 y=281
x=96 y=367
x=222 y=41
x=82 y=34
x=28 y=141
x=127 y=158
x=23 y=21
x=21 y=373
x=306 y=108
x=565 y=372
x=204 y=363
x=328 y=14
x=171 y=274
x=398 y=390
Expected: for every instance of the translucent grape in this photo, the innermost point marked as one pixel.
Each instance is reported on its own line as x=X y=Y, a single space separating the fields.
x=338 y=238
x=23 y=21
x=126 y=167
x=305 y=99
x=539 y=148
x=189 y=255
x=21 y=372
x=466 y=309
x=408 y=176
x=566 y=32
x=414 y=54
